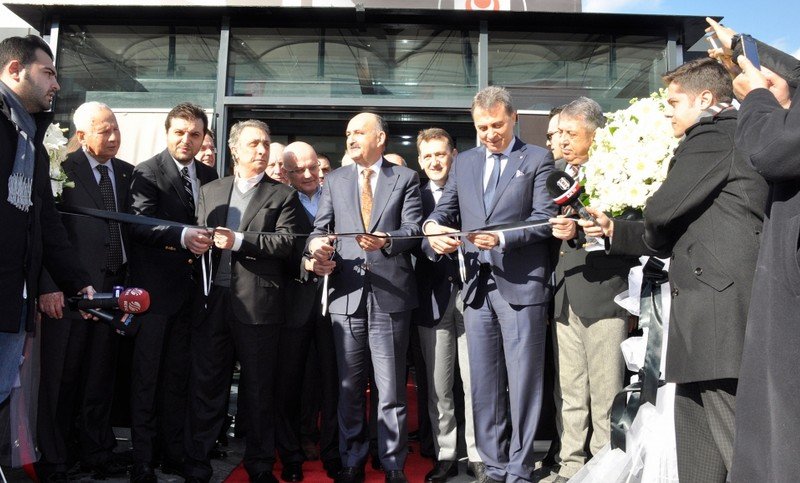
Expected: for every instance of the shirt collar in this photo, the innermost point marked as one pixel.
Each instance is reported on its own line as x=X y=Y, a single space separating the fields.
x=313 y=197
x=506 y=152
x=433 y=187
x=246 y=184
x=93 y=163
x=191 y=166
x=375 y=167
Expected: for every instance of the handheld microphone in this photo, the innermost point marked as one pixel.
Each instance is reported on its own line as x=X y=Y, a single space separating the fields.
x=129 y=300
x=567 y=191
x=124 y=324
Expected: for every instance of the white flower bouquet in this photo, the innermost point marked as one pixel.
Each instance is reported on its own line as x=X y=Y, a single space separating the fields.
x=56 y=145
x=630 y=156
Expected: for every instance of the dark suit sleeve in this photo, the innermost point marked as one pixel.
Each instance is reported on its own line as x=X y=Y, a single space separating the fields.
x=767 y=133
x=144 y=194
x=542 y=209
x=447 y=210
x=410 y=218
x=268 y=246
x=59 y=257
x=325 y=221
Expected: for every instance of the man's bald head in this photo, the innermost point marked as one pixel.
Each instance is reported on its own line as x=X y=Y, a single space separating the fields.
x=301 y=167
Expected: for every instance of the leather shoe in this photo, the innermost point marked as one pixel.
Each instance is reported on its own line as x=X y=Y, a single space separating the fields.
x=395 y=476
x=476 y=469
x=194 y=479
x=332 y=467
x=108 y=469
x=170 y=467
x=292 y=472
x=441 y=471
x=350 y=474
x=143 y=473
x=57 y=477
x=264 y=477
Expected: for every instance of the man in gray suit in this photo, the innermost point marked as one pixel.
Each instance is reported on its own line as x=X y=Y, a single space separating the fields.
x=589 y=325
x=506 y=289
x=372 y=291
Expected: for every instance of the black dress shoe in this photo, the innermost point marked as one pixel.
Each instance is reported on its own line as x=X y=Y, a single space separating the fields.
x=264 y=477
x=170 y=467
x=441 y=471
x=56 y=477
x=350 y=474
x=395 y=476
x=292 y=472
x=476 y=469
x=143 y=473
x=332 y=467
x=108 y=469
x=194 y=479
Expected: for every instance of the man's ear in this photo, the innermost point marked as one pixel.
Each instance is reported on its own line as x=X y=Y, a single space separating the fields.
x=382 y=138
x=706 y=99
x=81 y=136
x=14 y=69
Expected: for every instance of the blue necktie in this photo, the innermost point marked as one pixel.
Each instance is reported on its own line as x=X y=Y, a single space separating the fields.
x=491 y=187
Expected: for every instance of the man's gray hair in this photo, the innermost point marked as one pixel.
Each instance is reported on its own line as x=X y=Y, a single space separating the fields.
x=488 y=97
x=586 y=109
x=236 y=130
x=82 y=118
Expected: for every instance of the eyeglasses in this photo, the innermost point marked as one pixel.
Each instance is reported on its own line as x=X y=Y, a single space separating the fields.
x=551 y=134
x=311 y=169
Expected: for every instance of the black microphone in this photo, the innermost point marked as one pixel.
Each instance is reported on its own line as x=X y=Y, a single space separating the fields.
x=567 y=191
x=129 y=300
x=123 y=324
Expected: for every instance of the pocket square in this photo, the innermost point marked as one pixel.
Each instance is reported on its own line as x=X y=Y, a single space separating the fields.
x=518 y=174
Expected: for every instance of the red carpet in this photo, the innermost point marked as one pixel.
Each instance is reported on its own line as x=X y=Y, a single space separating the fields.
x=415 y=470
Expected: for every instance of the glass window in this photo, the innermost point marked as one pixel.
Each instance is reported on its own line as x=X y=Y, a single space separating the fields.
x=130 y=67
x=400 y=62
x=545 y=70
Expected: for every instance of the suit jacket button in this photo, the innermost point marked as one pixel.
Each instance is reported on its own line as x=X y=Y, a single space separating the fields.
x=315 y=279
x=190 y=261
x=698 y=271
x=449 y=279
x=562 y=253
x=674 y=292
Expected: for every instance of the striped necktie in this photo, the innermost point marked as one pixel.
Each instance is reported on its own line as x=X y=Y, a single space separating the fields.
x=187 y=186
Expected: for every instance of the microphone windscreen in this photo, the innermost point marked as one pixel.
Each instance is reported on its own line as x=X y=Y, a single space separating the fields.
x=134 y=300
x=562 y=187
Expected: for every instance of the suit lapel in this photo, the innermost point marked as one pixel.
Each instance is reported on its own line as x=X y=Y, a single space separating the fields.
x=476 y=173
x=121 y=182
x=82 y=171
x=262 y=193
x=350 y=175
x=216 y=202
x=174 y=176
x=383 y=191
x=428 y=201
x=512 y=165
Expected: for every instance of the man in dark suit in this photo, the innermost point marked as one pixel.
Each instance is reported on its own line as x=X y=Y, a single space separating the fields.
x=245 y=305
x=589 y=326
x=372 y=292
x=163 y=261
x=77 y=377
x=707 y=215
x=440 y=321
x=768 y=397
x=34 y=234
x=305 y=327
x=506 y=291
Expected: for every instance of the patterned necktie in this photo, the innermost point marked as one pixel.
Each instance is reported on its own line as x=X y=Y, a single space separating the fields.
x=366 y=198
x=187 y=186
x=491 y=186
x=114 y=252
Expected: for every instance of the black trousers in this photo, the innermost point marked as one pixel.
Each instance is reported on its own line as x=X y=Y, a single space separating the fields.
x=159 y=382
x=295 y=343
x=216 y=336
x=78 y=368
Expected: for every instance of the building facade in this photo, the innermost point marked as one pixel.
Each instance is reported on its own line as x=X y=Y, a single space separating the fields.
x=306 y=66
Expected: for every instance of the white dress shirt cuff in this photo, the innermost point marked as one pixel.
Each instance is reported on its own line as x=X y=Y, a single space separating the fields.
x=238 y=238
x=183 y=233
x=501 y=244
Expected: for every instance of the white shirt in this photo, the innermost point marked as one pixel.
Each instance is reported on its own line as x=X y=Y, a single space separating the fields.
x=436 y=190
x=489 y=164
x=246 y=184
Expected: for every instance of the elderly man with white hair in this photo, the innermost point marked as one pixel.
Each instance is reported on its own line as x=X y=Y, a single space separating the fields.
x=77 y=376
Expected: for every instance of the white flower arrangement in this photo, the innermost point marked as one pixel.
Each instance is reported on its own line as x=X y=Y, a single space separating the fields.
x=630 y=156
x=56 y=145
